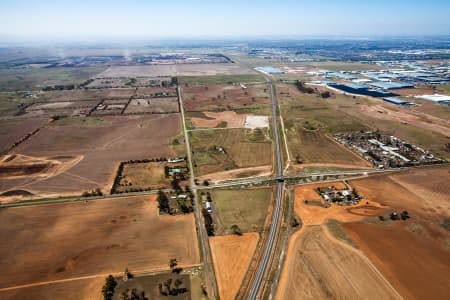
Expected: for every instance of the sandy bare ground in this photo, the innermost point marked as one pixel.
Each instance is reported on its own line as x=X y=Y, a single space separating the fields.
x=232 y=119
x=232 y=255
x=63 y=241
x=237 y=173
x=408 y=255
x=320 y=267
x=424 y=121
x=316 y=215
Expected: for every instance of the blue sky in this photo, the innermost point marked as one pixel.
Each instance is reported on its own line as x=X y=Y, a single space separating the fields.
x=230 y=18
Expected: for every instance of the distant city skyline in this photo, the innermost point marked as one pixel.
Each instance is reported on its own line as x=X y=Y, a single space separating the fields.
x=46 y=19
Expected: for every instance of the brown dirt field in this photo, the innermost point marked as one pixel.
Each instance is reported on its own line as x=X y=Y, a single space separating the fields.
x=91 y=94
x=232 y=119
x=315 y=215
x=232 y=255
x=145 y=176
x=424 y=192
x=321 y=267
x=238 y=173
x=61 y=241
x=153 y=105
x=151 y=91
x=13 y=130
x=87 y=289
x=424 y=121
x=102 y=148
x=327 y=165
x=415 y=264
x=213 y=97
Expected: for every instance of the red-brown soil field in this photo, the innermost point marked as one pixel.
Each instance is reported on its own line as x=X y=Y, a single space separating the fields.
x=102 y=144
x=73 y=240
x=408 y=255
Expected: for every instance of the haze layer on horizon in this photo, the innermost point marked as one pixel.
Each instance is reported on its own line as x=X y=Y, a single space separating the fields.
x=231 y=18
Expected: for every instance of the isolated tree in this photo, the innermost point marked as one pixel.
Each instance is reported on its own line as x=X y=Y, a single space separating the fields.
x=236 y=230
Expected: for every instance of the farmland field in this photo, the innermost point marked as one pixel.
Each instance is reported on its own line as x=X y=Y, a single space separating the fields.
x=101 y=144
x=232 y=255
x=13 y=130
x=62 y=241
x=144 y=176
x=423 y=192
x=245 y=208
x=225 y=97
x=153 y=105
x=37 y=78
x=175 y=70
x=240 y=148
x=320 y=267
x=394 y=247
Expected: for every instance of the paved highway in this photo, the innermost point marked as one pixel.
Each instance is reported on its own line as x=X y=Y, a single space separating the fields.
x=274 y=227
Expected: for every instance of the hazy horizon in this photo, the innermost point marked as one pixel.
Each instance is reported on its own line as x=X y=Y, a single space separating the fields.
x=135 y=19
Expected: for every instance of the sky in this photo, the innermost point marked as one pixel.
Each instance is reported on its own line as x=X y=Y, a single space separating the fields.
x=218 y=19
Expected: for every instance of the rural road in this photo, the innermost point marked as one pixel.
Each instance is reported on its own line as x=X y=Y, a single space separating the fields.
x=210 y=277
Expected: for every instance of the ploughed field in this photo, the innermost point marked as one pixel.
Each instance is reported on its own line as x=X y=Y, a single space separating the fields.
x=66 y=241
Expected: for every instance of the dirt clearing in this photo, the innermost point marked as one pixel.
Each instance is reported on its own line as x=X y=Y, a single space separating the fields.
x=226 y=119
x=232 y=255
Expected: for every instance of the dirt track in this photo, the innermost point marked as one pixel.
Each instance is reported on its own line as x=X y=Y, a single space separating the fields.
x=232 y=255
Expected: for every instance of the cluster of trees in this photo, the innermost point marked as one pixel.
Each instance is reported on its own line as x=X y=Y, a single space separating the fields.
x=108 y=288
x=302 y=88
x=59 y=87
x=96 y=192
x=171 y=287
x=183 y=205
x=23 y=139
x=134 y=294
x=209 y=224
x=163 y=201
x=86 y=83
